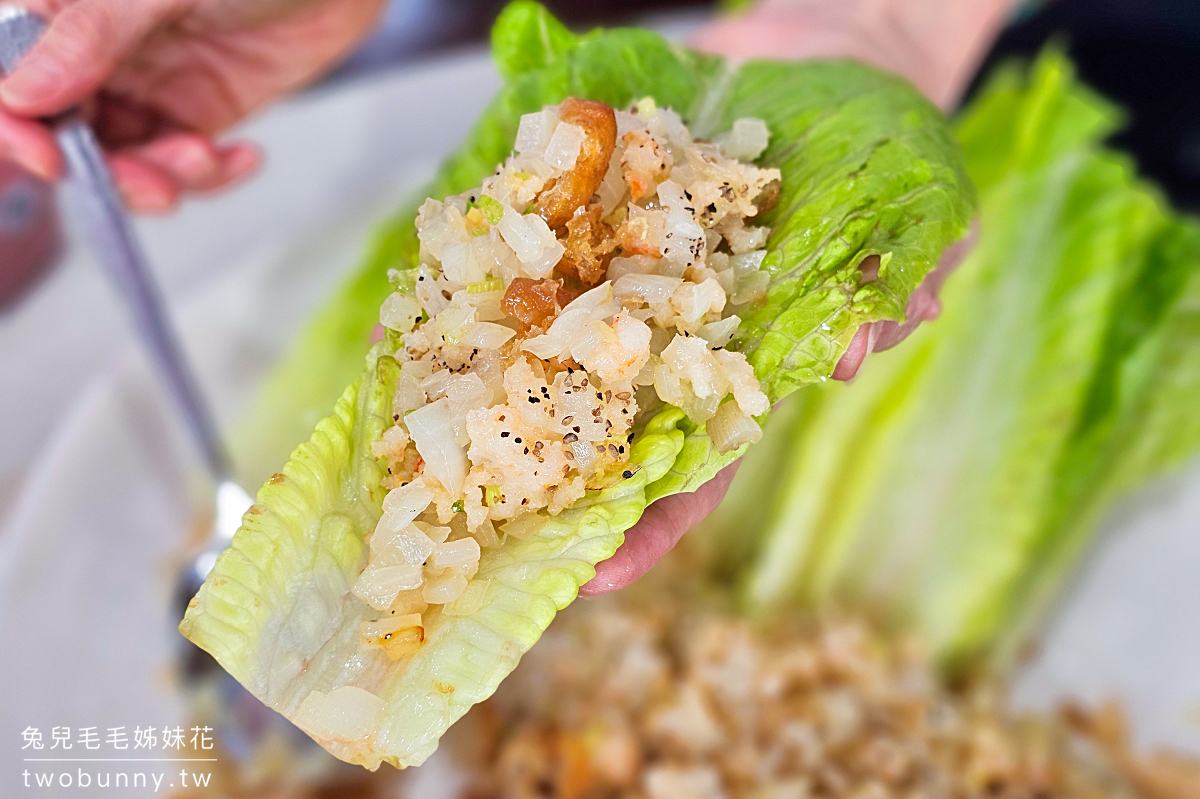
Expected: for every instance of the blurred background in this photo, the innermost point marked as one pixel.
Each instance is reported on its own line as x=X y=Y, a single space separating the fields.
x=96 y=480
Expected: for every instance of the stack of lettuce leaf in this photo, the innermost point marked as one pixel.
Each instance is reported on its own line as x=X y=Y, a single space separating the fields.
x=869 y=168
x=957 y=481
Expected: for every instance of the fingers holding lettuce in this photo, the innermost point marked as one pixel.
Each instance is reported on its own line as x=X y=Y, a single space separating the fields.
x=160 y=79
x=668 y=519
x=937 y=44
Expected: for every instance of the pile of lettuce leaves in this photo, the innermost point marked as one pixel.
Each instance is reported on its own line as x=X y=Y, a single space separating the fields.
x=955 y=485
x=869 y=168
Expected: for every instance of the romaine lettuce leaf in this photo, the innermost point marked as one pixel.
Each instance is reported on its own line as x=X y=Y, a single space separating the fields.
x=954 y=485
x=869 y=167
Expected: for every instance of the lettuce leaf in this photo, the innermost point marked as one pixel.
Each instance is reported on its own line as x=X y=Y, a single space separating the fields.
x=955 y=484
x=869 y=167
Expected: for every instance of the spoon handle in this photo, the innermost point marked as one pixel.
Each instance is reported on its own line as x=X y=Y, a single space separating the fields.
x=108 y=229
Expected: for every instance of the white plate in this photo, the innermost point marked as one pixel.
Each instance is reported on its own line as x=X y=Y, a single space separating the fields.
x=86 y=561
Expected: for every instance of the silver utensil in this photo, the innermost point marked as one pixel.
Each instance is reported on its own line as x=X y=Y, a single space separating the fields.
x=243 y=720
x=108 y=229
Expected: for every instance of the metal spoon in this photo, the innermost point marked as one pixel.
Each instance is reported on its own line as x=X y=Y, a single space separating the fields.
x=108 y=229
x=242 y=718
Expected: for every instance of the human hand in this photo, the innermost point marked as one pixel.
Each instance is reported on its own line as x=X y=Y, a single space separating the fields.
x=159 y=79
x=666 y=520
x=937 y=44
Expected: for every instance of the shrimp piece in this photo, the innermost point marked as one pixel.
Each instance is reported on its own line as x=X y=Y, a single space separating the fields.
x=642 y=232
x=645 y=164
x=624 y=357
x=572 y=190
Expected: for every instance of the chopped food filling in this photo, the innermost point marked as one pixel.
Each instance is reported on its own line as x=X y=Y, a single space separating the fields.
x=599 y=270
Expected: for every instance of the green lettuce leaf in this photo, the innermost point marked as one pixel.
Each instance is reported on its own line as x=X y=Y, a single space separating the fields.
x=277 y=614
x=956 y=483
x=869 y=168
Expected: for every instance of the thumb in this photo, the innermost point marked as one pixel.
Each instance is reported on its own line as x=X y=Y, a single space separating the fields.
x=79 y=50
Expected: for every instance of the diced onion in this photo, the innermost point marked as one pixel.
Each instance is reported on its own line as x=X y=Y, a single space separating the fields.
x=728 y=280
x=694 y=301
x=470 y=600
x=408 y=601
x=650 y=289
x=522 y=233
x=399 y=312
x=487 y=305
x=562 y=151
x=718 y=334
x=592 y=298
x=751 y=287
x=400 y=507
x=743 y=240
x=485 y=534
x=730 y=429
x=454 y=321
x=459 y=264
x=432 y=430
x=438 y=225
x=612 y=188
x=746 y=140
x=379 y=585
x=463 y=552
x=635 y=265
x=438 y=534
x=409 y=546
x=348 y=713
x=544 y=264
x=434 y=386
x=699 y=409
x=747 y=262
x=409 y=394
x=534 y=131
x=486 y=336
x=429 y=294
x=524 y=526
x=445 y=588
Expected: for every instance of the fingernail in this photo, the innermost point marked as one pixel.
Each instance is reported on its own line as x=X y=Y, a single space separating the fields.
x=195 y=162
x=39 y=167
x=239 y=160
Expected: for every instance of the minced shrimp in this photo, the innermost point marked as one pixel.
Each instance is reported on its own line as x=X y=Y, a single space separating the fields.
x=602 y=265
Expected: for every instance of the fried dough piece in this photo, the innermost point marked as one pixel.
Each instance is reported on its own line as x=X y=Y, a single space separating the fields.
x=562 y=197
x=535 y=303
x=590 y=244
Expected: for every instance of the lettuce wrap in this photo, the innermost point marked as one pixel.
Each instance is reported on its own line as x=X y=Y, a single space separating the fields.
x=869 y=168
